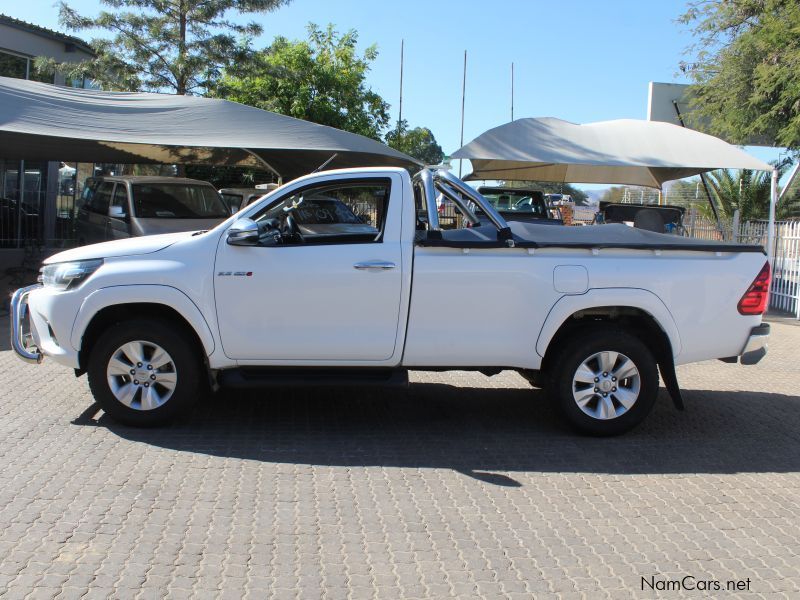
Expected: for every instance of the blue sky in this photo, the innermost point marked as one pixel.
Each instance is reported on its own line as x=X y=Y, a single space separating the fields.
x=579 y=60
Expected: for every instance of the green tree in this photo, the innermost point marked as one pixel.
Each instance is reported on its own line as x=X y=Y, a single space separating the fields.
x=748 y=192
x=418 y=142
x=614 y=194
x=321 y=79
x=180 y=46
x=745 y=68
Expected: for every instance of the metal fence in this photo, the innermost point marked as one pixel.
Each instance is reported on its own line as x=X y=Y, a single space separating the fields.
x=42 y=212
x=785 y=288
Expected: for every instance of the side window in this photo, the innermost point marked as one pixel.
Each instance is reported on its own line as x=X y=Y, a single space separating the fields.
x=101 y=198
x=121 y=197
x=344 y=212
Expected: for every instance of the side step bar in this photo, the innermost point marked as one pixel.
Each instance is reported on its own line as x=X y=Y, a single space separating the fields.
x=259 y=377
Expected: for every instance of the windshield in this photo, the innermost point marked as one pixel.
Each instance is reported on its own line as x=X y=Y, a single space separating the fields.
x=177 y=201
x=519 y=201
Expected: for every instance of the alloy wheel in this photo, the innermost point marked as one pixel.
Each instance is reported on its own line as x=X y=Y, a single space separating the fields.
x=141 y=375
x=606 y=385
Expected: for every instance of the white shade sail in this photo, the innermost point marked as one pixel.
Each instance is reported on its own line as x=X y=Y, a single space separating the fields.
x=625 y=151
x=44 y=122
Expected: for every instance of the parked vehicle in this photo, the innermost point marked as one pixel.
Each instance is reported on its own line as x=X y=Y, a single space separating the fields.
x=237 y=198
x=520 y=204
x=336 y=279
x=652 y=217
x=116 y=207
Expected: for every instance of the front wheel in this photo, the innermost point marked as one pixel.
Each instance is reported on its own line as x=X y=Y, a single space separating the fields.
x=144 y=372
x=605 y=380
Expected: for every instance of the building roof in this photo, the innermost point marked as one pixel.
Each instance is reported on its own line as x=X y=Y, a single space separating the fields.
x=44 y=32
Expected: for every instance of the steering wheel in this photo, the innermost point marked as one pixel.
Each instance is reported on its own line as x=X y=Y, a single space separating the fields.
x=290 y=230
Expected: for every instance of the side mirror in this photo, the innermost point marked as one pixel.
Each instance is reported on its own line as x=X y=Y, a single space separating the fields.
x=116 y=212
x=243 y=232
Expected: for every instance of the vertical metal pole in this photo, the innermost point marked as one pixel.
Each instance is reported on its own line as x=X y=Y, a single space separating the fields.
x=463 y=96
x=512 y=91
x=773 y=200
x=400 y=113
x=702 y=178
x=20 y=198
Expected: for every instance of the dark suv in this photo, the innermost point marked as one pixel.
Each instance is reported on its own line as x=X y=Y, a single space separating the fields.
x=117 y=207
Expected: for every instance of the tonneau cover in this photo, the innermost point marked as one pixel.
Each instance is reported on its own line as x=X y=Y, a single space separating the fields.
x=535 y=235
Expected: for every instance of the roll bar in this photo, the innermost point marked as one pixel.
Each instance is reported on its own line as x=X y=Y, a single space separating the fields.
x=450 y=193
x=426 y=180
x=433 y=179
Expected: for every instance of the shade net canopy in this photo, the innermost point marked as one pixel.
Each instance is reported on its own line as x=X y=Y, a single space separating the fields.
x=625 y=151
x=44 y=122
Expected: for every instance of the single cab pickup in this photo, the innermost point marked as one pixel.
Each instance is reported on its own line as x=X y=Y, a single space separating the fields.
x=345 y=277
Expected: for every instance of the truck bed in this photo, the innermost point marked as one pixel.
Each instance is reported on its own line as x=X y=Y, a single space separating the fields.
x=535 y=235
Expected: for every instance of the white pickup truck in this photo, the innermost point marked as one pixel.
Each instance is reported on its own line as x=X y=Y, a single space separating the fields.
x=345 y=277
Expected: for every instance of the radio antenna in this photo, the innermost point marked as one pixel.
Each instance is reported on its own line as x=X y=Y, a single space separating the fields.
x=326 y=163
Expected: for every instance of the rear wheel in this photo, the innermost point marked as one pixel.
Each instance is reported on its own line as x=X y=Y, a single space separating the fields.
x=604 y=380
x=144 y=372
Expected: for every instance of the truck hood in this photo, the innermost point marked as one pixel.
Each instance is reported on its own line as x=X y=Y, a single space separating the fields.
x=159 y=226
x=128 y=247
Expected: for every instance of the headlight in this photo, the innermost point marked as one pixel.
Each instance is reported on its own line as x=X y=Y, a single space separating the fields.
x=68 y=275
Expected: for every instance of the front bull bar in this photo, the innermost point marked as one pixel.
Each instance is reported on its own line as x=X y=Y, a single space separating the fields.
x=22 y=342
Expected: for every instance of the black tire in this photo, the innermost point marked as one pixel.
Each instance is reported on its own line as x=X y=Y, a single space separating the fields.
x=577 y=349
x=185 y=364
x=535 y=378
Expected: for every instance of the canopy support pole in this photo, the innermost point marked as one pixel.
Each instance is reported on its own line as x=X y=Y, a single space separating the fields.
x=20 y=200
x=773 y=201
x=265 y=163
x=702 y=178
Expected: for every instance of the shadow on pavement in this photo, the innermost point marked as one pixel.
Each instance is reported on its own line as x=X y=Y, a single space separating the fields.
x=478 y=431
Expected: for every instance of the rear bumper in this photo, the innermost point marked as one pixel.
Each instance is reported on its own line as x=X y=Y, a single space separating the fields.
x=755 y=348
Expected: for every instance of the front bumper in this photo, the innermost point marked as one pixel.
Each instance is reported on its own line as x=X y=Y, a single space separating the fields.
x=22 y=341
x=755 y=348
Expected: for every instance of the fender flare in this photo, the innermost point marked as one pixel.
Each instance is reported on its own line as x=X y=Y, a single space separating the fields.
x=141 y=294
x=599 y=297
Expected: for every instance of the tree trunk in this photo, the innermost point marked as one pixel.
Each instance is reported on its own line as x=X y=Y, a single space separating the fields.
x=181 y=75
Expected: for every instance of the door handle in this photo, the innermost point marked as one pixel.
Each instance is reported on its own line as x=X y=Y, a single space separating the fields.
x=374 y=265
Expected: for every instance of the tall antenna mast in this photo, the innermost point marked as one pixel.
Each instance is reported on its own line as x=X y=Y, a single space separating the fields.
x=463 y=95
x=400 y=113
x=512 y=91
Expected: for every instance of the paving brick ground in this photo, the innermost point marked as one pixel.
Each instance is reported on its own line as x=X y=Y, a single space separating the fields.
x=466 y=486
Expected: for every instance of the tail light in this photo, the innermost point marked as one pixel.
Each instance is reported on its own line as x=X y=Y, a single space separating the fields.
x=754 y=301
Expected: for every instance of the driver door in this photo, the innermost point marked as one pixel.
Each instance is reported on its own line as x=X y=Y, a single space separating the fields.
x=322 y=299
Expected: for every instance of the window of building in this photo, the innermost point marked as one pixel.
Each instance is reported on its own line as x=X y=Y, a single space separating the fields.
x=12 y=65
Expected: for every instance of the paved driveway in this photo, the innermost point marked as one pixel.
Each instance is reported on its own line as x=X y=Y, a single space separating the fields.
x=464 y=486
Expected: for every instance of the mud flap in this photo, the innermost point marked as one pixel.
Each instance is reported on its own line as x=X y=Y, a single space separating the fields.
x=667 y=368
